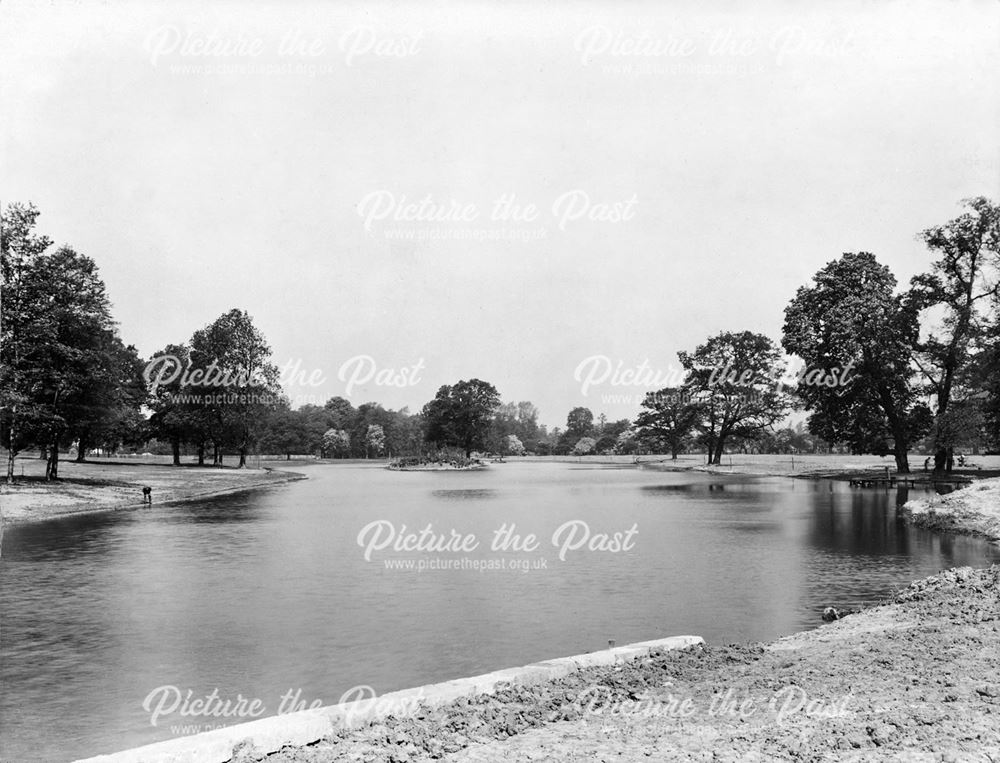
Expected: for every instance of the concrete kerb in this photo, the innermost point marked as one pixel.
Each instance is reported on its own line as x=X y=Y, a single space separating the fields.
x=268 y=735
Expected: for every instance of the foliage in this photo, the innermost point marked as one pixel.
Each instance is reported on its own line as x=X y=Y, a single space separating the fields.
x=336 y=444
x=235 y=408
x=461 y=415
x=668 y=418
x=852 y=317
x=733 y=379
x=513 y=446
x=579 y=423
x=517 y=419
x=66 y=375
x=374 y=440
x=960 y=283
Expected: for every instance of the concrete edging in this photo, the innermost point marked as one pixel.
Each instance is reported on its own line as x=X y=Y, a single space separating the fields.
x=268 y=735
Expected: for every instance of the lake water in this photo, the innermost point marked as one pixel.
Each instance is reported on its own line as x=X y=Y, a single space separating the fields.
x=268 y=593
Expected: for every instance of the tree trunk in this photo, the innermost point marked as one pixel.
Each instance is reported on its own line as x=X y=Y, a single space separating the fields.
x=243 y=457
x=940 y=459
x=81 y=449
x=720 y=444
x=12 y=452
x=175 y=446
x=201 y=454
x=900 y=441
x=902 y=463
x=288 y=456
x=52 y=465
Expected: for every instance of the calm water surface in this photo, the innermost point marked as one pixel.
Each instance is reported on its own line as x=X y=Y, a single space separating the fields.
x=265 y=593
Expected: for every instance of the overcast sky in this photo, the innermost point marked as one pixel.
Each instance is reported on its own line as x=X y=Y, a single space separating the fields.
x=689 y=169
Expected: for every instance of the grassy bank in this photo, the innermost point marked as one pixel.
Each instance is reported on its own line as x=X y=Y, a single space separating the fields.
x=117 y=485
x=774 y=465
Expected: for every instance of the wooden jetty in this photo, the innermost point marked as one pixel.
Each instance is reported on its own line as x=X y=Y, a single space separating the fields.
x=897 y=481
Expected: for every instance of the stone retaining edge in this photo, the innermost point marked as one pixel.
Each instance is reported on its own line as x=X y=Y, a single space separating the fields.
x=268 y=735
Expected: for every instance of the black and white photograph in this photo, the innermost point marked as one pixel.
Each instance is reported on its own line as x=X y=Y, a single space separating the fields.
x=478 y=381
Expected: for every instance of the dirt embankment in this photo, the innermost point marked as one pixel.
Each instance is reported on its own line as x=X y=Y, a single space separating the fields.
x=973 y=510
x=915 y=679
x=111 y=486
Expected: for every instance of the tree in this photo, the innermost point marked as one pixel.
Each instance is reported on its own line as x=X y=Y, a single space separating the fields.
x=669 y=418
x=518 y=419
x=607 y=440
x=988 y=368
x=336 y=443
x=504 y=425
x=584 y=446
x=365 y=416
x=733 y=378
x=286 y=431
x=107 y=411
x=852 y=318
x=374 y=440
x=341 y=413
x=513 y=446
x=239 y=384
x=627 y=443
x=20 y=247
x=73 y=337
x=579 y=423
x=461 y=415
x=527 y=424
x=959 y=282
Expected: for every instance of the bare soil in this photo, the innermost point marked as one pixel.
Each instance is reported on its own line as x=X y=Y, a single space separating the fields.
x=916 y=679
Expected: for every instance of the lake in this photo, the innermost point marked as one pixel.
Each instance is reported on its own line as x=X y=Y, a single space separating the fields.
x=268 y=596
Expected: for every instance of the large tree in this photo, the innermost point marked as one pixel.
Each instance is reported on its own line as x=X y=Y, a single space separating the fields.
x=461 y=415
x=287 y=431
x=667 y=420
x=239 y=384
x=735 y=379
x=961 y=283
x=579 y=423
x=74 y=349
x=174 y=418
x=988 y=371
x=20 y=329
x=852 y=318
x=107 y=413
x=336 y=444
x=65 y=375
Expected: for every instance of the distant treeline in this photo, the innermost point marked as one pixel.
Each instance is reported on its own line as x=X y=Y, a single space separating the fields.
x=886 y=370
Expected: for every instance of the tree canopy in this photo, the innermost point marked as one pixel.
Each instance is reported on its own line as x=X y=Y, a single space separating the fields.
x=852 y=317
x=461 y=415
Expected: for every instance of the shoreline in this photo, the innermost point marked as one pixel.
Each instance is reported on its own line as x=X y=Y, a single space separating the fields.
x=473 y=468
x=89 y=490
x=973 y=510
x=906 y=679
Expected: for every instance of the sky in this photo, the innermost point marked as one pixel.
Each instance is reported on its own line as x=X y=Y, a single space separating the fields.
x=403 y=195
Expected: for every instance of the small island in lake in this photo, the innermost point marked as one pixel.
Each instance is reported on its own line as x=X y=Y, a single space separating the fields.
x=436 y=463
